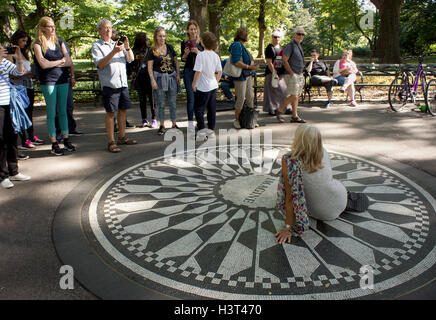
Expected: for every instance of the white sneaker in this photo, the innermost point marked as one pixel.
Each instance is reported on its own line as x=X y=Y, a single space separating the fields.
x=20 y=177
x=191 y=125
x=236 y=124
x=6 y=183
x=201 y=137
x=211 y=135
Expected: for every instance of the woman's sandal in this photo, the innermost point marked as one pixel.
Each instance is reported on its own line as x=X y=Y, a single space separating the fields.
x=297 y=120
x=125 y=140
x=112 y=147
x=279 y=117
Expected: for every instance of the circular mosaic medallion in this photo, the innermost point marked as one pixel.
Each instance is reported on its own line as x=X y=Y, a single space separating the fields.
x=205 y=226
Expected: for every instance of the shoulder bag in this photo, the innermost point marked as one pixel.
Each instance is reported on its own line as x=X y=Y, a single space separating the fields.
x=19 y=101
x=231 y=70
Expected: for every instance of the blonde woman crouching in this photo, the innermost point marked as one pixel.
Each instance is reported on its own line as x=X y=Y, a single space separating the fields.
x=309 y=188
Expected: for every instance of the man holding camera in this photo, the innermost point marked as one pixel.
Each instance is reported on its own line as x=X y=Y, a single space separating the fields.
x=110 y=57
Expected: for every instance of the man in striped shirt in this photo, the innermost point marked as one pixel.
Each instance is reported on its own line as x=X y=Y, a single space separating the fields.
x=8 y=138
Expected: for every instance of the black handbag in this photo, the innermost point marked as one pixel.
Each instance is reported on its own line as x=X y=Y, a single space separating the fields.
x=248 y=117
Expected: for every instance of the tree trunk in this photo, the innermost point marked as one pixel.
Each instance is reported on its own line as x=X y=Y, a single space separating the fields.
x=198 y=12
x=215 y=11
x=262 y=28
x=6 y=26
x=388 y=46
x=215 y=24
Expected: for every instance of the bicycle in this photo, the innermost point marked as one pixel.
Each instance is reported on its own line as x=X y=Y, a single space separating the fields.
x=430 y=97
x=401 y=90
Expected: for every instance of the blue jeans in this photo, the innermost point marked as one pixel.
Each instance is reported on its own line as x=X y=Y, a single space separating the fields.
x=225 y=86
x=188 y=77
x=160 y=98
x=341 y=80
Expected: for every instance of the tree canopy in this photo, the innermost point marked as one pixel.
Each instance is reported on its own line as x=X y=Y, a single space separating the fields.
x=368 y=26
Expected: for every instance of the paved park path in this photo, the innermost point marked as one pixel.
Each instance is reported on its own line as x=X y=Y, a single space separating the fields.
x=29 y=263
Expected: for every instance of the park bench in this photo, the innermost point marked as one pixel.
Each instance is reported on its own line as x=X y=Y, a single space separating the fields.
x=365 y=78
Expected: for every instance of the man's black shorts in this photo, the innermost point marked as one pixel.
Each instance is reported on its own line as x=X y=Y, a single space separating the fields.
x=114 y=99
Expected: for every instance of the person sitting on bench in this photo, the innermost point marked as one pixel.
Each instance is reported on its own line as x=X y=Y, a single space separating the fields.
x=226 y=83
x=320 y=75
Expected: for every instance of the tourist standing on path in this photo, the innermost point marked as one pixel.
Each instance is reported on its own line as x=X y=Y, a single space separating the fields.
x=293 y=62
x=8 y=137
x=52 y=60
x=72 y=125
x=320 y=75
x=110 y=58
x=274 y=95
x=190 y=48
x=141 y=79
x=164 y=72
x=23 y=41
x=241 y=58
x=208 y=72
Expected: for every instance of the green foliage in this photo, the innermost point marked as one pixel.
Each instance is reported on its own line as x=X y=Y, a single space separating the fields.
x=418 y=19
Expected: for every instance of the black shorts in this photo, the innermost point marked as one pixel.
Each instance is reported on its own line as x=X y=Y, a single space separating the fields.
x=114 y=99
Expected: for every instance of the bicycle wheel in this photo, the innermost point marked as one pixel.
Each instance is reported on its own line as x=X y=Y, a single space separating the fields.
x=430 y=97
x=399 y=92
x=423 y=84
x=411 y=77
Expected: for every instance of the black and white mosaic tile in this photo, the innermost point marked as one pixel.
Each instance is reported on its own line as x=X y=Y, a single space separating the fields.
x=206 y=228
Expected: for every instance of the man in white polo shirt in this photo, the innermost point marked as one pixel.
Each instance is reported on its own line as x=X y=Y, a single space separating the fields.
x=110 y=59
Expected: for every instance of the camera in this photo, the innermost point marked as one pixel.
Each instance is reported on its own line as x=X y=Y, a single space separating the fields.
x=11 y=50
x=121 y=40
x=192 y=44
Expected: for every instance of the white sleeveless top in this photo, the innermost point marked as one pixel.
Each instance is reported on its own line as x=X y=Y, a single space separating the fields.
x=326 y=197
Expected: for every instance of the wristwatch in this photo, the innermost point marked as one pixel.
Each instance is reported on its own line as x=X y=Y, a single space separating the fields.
x=287 y=227
x=127 y=49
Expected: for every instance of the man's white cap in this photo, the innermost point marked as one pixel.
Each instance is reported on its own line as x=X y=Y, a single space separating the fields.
x=276 y=33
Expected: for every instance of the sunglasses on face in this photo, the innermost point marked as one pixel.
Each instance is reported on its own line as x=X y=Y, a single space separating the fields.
x=276 y=37
x=300 y=34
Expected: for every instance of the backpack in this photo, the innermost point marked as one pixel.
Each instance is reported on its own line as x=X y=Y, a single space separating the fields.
x=248 y=117
x=278 y=62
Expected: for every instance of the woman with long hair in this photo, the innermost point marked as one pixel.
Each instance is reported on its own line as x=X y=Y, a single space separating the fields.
x=141 y=78
x=53 y=62
x=164 y=72
x=190 y=47
x=307 y=187
x=21 y=39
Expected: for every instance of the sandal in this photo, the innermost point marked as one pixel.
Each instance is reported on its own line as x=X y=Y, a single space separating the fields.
x=112 y=147
x=125 y=140
x=279 y=117
x=161 y=131
x=298 y=120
